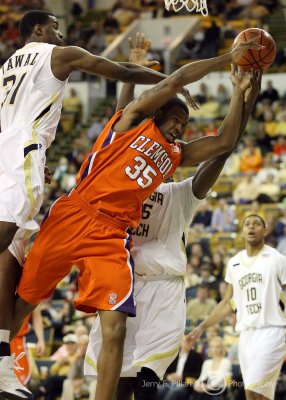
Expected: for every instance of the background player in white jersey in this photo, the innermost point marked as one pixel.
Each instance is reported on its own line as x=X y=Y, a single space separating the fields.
x=256 y=280
x=154 y=336
x=32 y=84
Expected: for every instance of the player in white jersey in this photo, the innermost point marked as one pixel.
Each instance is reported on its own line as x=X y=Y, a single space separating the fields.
x=32 y=84
x=256 y=280
x=154 y=336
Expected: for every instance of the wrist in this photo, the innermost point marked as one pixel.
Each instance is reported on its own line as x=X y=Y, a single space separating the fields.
x=238 y=91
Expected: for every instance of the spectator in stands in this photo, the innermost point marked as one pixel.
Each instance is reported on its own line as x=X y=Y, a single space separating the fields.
x=192 y=279
x=246 y=191
x=202 y=218
x=77 y=385
x=111 y=25
x=279 y=227
x=222 y=96
x=95 y=42
x=221 y=290
x=281 y=125
x=202 y=96
x=72 y=105
x=215 y=372
x=251 y=157
x=232 y=165
x=202 y=305
x=96 y=126
x=255 y=208
x=268 y=190
x=181 y=374
x=222 y=218
x=211 y=40
x=209 y=110
x=52 y=387
x=269 y=93
x=211 y=332
x=279 y=149
x=209 y=279
x=218 y=265
x=267 y=169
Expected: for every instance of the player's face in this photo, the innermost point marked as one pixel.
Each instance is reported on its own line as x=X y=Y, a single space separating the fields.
x=51 y=32
x=253 y=230
x=173 y=124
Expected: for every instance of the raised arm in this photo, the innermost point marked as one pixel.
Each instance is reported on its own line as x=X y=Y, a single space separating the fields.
x=209 y=171
x=154 y=98
x=138 y=56
x=68 y=59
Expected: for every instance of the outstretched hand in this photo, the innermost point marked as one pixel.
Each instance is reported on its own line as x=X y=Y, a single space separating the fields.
x=138 y=53
x=241 y=48
x=239 y=79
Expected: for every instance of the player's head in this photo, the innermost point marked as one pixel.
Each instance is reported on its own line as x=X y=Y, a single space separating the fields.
x=172 y=119
x=41 y=26
x=253 y=229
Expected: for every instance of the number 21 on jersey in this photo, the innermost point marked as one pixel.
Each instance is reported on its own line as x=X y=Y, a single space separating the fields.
x=141 y=172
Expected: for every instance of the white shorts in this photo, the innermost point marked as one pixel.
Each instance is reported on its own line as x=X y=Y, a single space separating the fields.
x=22 y=164
x=261 y=353
x=154 y=336
x=17 y=249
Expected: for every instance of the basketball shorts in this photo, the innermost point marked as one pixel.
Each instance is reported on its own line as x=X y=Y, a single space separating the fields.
x=18 y=346
x=75 y=234
x=22 y=165
x=261 y=353
x=154 y=336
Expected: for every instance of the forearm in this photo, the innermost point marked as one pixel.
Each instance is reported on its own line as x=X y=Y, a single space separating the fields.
x=143 y=75
x=209 y=147
x=194 y=71
x=126 y=96
x=247 y=109
x=220 y=312
x=231 y=126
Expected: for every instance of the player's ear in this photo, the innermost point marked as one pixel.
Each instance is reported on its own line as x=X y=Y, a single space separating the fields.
x=38 y=30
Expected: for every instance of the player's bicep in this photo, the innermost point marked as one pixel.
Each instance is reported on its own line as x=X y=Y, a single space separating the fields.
x=201 y=149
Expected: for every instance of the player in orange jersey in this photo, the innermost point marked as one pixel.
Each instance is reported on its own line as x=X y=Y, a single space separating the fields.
x=136 y=151
x=18 y=346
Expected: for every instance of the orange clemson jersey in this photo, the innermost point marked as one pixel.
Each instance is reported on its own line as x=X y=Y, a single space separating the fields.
x=125 y=168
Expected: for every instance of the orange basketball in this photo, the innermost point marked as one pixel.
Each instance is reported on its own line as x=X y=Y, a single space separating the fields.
x=254 y=59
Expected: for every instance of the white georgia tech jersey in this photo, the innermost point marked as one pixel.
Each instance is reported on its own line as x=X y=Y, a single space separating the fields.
x=161 y=236
x=258 y=288
x=30 y=95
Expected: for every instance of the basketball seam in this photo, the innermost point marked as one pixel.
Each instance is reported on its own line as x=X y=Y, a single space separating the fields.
x=250 y=52
x=270 y=51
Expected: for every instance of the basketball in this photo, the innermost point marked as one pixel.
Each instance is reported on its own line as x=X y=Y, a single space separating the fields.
x=254 y=59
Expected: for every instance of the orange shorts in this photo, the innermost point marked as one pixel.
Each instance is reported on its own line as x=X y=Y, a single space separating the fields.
x=18 y=346
x=73 y=233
